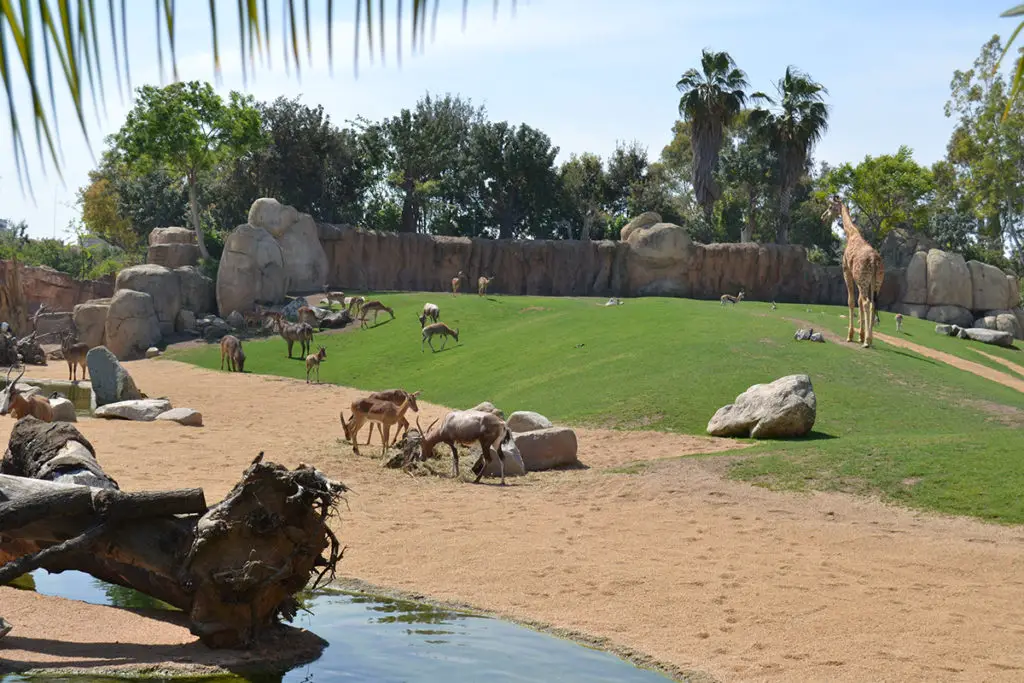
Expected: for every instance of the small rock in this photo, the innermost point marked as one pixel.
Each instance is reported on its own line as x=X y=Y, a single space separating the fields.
x=785 y=407
x=5 y=627
x=527 y=421
x=996 y=337
x=183 y=416
x=186 y=321
x=236 y=320
x=143 y=410
x=63 y=410
x=514 y=465
x=544 y=449
x=488 y=407
x=945 y=330
x=152 y=352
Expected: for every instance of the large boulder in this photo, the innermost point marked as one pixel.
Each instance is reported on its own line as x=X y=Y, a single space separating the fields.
x=544 y=449
x=917 y=280
x=90 y=321
x=132 y=325
x=110 y=381
x=990 y=336
x=172 y=247
x=953 y=315
x=1012 y=291
x=659 y=260
x=1019 y=314
x=915 y=310
x=527 y=421
x=303 y=256
x=644 y=220
x=186 y=321
x=488 y=407
x=198 y=292
x=251 y=270
x=949 y=280
x=162 y=284
x=1004 y=321
x=171 y=236
x=142 y=410
x=989 y=286
x=783 y=408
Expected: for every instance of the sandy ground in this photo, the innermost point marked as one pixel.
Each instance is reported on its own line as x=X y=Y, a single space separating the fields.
x=676 y=562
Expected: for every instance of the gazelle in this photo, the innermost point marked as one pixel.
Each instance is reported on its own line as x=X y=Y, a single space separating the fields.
x=730 y=299
x=429 y=311
x=376 y=307
x=395 y=396
x=313 y=361
x=899 y=323
x=334 y=297
x=436 y=329
x=481 y=284
x=385 y=413
x=457 y=283
x=74 y=354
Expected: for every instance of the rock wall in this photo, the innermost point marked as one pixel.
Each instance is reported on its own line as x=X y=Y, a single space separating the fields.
x=58 y=291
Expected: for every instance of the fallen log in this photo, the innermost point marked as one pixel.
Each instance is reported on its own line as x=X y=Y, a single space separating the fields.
x=233 y=568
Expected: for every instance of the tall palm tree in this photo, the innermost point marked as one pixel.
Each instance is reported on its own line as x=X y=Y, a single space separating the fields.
x=67 y=32
x=795 y=123
x=711 y=98
x=1018 y=73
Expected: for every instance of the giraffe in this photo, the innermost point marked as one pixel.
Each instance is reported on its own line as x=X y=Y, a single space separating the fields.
x=863 y=267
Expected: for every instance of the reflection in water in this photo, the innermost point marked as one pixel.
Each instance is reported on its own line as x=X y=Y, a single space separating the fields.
x=384 y=639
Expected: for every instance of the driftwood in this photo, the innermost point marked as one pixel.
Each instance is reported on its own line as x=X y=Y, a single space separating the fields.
x=234 y=568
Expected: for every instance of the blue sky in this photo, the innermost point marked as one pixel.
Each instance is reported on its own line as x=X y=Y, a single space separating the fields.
x=589 y=73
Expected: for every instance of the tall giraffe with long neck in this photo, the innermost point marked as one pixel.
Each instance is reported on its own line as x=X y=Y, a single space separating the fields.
x=863 y=267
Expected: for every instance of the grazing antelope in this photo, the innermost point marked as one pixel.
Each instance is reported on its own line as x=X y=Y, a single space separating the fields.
x=774 y=307
x=11 y=401
x=231 y=351
x=438 y=329
x=899 y=323
x=334 y=297
x=429 y=311
x=313 y=360
x=481 y=284
x=293 y=332
x=395 y=396
x=256 y=316
x=354 y=303
x=376 y=307
x=730 y=299
x=457 y=283
x=74 y=354
x=385 y=413
x=467 y=427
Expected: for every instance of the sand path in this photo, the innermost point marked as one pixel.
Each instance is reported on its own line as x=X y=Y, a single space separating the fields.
x=676 y=562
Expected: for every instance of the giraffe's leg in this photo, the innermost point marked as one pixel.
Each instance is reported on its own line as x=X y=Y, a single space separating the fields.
x=850 y=300
x=869 y=303
x=863 y=313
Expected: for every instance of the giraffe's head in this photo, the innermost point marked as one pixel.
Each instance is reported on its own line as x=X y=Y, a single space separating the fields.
x=835 y=208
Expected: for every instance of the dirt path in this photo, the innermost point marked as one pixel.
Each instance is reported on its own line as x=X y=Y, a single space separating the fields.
x=696 y=571
x=1013 y=366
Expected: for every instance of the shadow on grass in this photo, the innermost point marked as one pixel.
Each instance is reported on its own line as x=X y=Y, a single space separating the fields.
x=912 y=356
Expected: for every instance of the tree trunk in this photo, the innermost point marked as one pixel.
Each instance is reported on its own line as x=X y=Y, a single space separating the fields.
x=233 y=568
x=747 y=231
x=193 y=203
x=408 y=208
x=785 y=199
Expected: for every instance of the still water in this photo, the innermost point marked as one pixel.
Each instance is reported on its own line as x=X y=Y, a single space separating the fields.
x=386 y=640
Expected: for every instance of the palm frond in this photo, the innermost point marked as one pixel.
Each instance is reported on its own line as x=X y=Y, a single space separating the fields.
x=69 y=36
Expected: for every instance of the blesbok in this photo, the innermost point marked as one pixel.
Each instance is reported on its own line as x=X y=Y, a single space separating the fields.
x=730 y=299
x=293 y=332
x=385 y=413
x=481 y=284
x=435 y=329
x=231 y=351
x=74 y=354
x=429 y=311
x=467 y=427
x=457 y=283
x=395 y=396
x=375 y=307
x=13 y=402
x=313 y=361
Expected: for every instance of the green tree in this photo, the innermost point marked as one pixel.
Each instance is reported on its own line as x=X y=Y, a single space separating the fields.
x=885 y=192
x=584 y=183
x=796 y=121
x=712 y=97
x=187 y=129
x=98 y=202
x=747 y=171
x=625 y=174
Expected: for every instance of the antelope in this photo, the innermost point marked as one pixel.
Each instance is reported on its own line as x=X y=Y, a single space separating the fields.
x=466 y=427
x=313 y=360
x=334 y=297
x=395 y=396
x=482 y=283
x=375 y=306
x=730 y=299
x=384 y=413
x=293 y=332
x=429 y=311
x=74 y=354
x=306 y=315
x=257 y=315
x=899 y=323
x=354 y=303
x=231 y=350
x=457 y=283
x=774 y=307
x=438 y=329
x=11 y=401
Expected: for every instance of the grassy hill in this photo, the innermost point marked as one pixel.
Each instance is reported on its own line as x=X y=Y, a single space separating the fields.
x=890 y=422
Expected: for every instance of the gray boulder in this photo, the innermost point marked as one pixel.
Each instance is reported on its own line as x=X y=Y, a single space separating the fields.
x=488 y=407
x=183 y=416
x=527 y=421
x=949 y=280
x=544 y=449
x=161 y=283
x=514 y=465
x=90 y=320
x=302 y=255
x=995 y=337
x=63 y=410
x=917 y=280
x=198 y=293
x=131 y=326
x=186 y=321
x=944 y=330
x=236 y=320
x=989 y=287
x=336 y=320
x=111 y=383
x=291 y=309
x=783 y=408
x=142 y=410
x=953 y=315
x=251 y=270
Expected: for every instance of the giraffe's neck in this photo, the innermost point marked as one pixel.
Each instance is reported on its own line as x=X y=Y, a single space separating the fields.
x=848 y=227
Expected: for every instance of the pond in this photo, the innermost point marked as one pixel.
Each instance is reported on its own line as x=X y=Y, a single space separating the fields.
x=79 y=393
x=382 y=639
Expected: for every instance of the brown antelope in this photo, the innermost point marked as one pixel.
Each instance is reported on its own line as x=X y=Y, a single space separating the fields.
x=293 y=332
x=435 y=329
x=354 y=303
x=899 y=323
x=12 y=401
x=395 y=396
x=429 y=311
x=74 y=354
x=231 y=351
x=313 y=361
x=457 y=283
x=306 y=315
x=482 y=283
x=730 y=299
x=376 y=307
x=256 y=316
x=334 y=297
x=467 y=427
x=384 y=413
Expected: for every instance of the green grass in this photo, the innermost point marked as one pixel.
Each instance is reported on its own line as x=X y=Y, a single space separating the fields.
x=890 y=422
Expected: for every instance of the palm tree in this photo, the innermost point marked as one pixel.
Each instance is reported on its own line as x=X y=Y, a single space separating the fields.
x=1018 y=74
x=67 y=32
x=711 y=98
x=792 y=127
